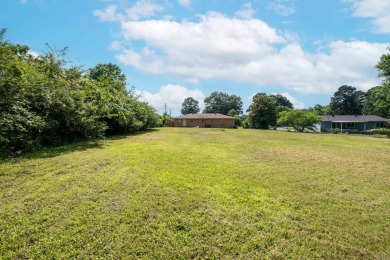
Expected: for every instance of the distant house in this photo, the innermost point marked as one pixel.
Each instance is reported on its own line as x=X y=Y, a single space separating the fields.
x=212 y=120
x=351 y=123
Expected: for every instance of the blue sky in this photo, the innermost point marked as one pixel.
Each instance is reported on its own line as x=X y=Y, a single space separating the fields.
x=173 y=49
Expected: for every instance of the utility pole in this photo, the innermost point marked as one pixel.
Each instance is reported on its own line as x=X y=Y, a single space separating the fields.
x=165 y=108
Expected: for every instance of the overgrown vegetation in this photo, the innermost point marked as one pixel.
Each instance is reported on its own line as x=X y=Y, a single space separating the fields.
x=380 y=131
x=43 y=102
x=179 y=193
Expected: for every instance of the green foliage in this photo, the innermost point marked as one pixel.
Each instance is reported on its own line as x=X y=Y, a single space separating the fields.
x=190 y=106
x=164 y=119
x=347 y=101
x=245 y=123
x=384 y=66
x=319 y=109
x=110 y=73
x=378 y=101
x=20 y=125
x=232 y=112
x=282 y=103
x=335 y=131
x=299 y=120
x=262 y=111
x=380 y=131
x=44 y=103
x=222 y=103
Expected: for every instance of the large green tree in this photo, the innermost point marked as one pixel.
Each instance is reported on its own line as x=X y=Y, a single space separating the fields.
x=219 y=102
x=190 y=106
x=118 y=108
x=262 y=111
x=108 y=72
x=282 y=100
x=384 y=66
x=282 y=103
x=299 y=119
x=378 y=101
x=319 y=109
x=378 y=98
x=347 y=101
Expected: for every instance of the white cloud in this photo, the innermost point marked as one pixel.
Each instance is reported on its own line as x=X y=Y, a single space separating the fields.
x=116 y=46
x=246 y=12
x=247 y=50
x=184 y=3
x=198 y=50
x=377 y=10
x=282 y=7
x=141 y=9
x=107 y=15
x=172 y=95
x=23 y=1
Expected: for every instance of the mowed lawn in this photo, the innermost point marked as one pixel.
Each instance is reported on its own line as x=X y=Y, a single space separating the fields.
x=200 y=193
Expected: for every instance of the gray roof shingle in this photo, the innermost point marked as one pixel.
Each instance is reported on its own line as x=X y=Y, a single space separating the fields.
x=353 y=118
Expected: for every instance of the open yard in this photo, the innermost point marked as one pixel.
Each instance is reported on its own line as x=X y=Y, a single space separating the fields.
x=200 y=193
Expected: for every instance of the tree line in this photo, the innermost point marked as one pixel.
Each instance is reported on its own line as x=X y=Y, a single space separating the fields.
x=45 y=102
x=270 y=110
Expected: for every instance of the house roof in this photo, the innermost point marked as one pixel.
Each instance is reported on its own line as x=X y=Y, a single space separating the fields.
x=353 y=118
x=204 y=116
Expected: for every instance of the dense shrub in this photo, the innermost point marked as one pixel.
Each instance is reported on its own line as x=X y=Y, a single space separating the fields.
x=380 y=131
x=44 y=103
x=335 y=131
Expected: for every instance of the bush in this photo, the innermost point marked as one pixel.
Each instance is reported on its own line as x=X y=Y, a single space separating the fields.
x=245 y=124
x=380 y=131
x=335 y=131
x=44 y=103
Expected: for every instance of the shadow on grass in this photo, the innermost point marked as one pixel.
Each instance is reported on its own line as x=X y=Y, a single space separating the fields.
x=53 y=151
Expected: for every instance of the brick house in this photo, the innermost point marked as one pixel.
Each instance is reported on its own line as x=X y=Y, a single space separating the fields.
x=211 y=120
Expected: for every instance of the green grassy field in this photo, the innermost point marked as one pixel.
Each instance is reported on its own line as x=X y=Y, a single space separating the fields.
x=200 y=193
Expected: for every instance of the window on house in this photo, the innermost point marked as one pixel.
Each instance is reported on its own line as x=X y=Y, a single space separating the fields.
x=192 y=120
x=222 y=120
x=379 y=124
x=350 y=125
x=212 y=120
x=202 y=120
